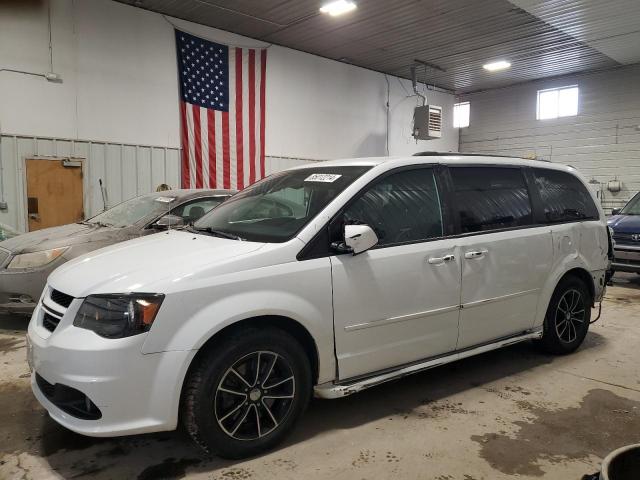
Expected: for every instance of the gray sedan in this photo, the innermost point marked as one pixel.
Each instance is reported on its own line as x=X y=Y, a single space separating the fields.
x=27 y=260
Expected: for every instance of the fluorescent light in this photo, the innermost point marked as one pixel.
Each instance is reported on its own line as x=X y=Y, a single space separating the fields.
x=338 y=7
x=495 y=66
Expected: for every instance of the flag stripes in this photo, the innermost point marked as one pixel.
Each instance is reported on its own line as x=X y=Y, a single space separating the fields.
x=222 y=113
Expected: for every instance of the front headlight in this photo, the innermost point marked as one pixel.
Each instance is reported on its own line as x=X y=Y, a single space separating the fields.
x=35 y=259
x=118 y=315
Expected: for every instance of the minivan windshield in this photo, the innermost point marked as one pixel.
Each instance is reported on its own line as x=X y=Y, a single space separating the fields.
x=278 y=207
x=132 y=211
x=632 y=207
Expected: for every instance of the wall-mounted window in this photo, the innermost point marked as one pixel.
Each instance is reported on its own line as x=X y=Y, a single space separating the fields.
x=557 y=102
x=461 y=115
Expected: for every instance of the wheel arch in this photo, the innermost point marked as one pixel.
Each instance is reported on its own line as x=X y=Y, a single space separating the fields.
x=583 y=275
x=287 y=324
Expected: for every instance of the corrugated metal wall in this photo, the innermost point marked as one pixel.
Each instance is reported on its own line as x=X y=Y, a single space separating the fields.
x=126 y=170
x=603 y=141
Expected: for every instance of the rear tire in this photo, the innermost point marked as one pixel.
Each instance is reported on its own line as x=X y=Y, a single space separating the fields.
x=567 y=320
x=247 y=392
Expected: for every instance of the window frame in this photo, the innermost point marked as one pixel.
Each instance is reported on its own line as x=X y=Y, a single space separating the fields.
x=455 y=107
x=149 y=224
x=557 y=89
x=539 y=213
x=320 y=245
x=453 y=203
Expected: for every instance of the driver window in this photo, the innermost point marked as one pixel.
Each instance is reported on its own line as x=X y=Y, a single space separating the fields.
x=402 y=207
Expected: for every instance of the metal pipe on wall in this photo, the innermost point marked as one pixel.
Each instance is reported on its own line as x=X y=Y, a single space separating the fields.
x=3 y=202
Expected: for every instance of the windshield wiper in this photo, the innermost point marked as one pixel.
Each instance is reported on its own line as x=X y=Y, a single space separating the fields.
x=100 y=224
x=218 y=233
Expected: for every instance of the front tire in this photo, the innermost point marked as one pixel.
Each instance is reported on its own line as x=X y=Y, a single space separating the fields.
x=247 y=392
x=567 y=320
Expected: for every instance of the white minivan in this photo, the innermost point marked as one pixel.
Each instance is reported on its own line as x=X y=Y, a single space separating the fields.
x=327 y=278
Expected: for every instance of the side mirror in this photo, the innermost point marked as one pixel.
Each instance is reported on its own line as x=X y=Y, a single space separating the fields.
x=615 y=211
x=168 y=221
x=359 y=238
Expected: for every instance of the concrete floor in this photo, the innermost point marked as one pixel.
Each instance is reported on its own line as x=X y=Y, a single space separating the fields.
x=505 y=413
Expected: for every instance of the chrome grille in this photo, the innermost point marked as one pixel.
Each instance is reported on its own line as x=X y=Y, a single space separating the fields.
x=626 y=239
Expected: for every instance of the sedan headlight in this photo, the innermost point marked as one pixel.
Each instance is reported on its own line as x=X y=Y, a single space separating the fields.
x=118 y=315
x=35 y=259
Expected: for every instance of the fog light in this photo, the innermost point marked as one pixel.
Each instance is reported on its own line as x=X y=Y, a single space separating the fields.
x=20 y=298
x=26 y=299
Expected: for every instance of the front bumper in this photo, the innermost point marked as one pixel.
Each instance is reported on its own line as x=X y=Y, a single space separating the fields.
x=134 y=392
x=20 y=291
x=626 y=258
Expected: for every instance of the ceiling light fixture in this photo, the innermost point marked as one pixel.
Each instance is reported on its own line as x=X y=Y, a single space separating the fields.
x=338 y=7
x=495 y=66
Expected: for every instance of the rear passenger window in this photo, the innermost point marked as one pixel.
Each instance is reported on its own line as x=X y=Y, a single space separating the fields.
x=564 y=197
x=490 y=198
x=402 y=207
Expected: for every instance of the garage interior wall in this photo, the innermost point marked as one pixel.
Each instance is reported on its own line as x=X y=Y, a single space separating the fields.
x=602 y=142
x=119 y=92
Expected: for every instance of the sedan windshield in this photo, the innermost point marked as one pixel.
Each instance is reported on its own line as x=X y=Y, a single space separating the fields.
x=278 y=207
x=132 y=211
x=633 y=207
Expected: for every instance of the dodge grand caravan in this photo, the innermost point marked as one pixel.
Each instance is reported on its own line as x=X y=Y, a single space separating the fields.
x=326 y=279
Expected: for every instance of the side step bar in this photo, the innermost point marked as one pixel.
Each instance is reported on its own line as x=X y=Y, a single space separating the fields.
x=331 y=390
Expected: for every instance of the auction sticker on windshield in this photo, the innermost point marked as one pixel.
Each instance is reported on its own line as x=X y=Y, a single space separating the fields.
x=322 y=177
x=165 y=199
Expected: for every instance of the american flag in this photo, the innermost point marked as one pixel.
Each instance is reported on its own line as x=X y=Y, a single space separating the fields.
x=222 y=102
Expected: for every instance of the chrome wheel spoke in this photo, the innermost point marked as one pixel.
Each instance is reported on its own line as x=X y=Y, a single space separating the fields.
x=255 y=407
x=241 y=421
x=273 y=419
x=561 y=334
x=268 y=374
x=232 y=392
x=240 y=377
x=278 y=396
x=255 y=382
x=232 y=411
x=277 y=384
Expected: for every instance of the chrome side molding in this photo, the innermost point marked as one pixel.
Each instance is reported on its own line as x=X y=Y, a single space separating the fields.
x=332 y=390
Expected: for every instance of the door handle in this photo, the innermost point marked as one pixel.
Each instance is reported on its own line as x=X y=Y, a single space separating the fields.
x=475 y=253
x=440 y=260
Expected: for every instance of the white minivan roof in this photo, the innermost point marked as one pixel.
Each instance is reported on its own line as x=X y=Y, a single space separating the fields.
x=430 y=158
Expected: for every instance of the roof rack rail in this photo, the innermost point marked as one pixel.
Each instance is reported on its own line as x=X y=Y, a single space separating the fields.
x=462 y=154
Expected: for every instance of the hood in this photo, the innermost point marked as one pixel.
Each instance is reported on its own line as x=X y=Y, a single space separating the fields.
x=72 y=234
x=153 y=264
x=625 y=223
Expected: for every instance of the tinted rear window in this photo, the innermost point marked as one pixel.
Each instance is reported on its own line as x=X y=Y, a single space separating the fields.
x=564 y=197
x=490 y=198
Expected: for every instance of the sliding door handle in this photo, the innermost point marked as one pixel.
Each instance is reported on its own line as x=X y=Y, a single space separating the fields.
x=476 y=253
x=440 y=260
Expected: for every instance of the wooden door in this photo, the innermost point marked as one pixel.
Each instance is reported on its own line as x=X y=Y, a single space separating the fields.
x=54 y=192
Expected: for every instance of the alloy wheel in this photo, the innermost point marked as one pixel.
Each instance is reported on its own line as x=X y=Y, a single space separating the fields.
x=570 y=315
x=254 y=395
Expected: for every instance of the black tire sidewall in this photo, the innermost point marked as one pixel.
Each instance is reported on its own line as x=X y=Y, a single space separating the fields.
x=214 y=366
x=551 y=341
